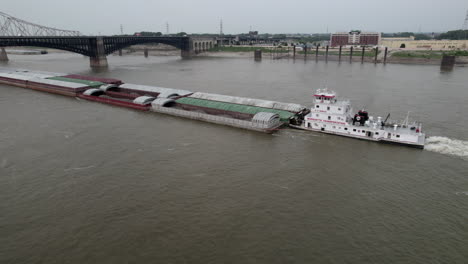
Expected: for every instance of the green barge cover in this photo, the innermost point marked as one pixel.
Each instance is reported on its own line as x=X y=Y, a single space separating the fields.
x=93 y=84
x=246 y=109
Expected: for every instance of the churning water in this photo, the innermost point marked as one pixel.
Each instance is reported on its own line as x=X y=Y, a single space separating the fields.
x=448 y=146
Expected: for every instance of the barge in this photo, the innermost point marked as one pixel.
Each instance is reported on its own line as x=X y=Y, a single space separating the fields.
x=328 y=114
x=247 y=113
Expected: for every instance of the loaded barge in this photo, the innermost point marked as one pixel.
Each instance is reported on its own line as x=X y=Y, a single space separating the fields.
x=328 y=114
x=253 y=114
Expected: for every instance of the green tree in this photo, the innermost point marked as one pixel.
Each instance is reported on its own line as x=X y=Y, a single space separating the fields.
x=421 y=37
x=454 y=35
x=150 y=34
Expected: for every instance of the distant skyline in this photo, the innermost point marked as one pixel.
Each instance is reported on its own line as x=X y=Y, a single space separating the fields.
x=203 y=16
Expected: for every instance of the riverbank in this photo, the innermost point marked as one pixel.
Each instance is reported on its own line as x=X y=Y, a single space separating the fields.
x=345 y=57
x=398 y=56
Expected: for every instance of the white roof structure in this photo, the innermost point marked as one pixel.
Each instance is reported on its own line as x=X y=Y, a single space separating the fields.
x=144 y=100
x=163 y=92
x=93 y=91
x=25 y=72
x=325 y=92
x=265 y=117
x=15 y=76
x=106 y=87
x=249 y=101
x=58 y=83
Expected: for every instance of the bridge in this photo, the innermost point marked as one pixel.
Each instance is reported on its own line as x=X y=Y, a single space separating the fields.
x=15 y=32
x=96 y=48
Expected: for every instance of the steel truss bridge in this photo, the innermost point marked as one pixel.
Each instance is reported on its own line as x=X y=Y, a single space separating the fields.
x=96 y=48
x=12 y=26
x=16 y=32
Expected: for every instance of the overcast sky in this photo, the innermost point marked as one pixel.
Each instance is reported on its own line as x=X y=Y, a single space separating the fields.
x=203 y=16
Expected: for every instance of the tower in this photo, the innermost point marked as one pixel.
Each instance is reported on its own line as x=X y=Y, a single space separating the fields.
x=121 y=29
x=465 y=25
x=221 y=27
x=167 y=28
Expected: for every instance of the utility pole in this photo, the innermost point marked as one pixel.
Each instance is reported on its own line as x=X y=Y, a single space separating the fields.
x=121 y=29
x=167 y=28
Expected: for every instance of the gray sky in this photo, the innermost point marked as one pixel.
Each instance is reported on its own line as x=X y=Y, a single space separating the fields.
x=203 y=16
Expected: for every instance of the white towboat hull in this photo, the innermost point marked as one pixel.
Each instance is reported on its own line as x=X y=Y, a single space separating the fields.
x=419 y=144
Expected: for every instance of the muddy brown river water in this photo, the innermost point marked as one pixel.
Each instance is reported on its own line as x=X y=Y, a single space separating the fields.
x=83 y=182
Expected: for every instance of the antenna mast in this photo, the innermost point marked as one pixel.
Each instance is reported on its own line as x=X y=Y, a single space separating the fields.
x=221 y=27
x=465 y=25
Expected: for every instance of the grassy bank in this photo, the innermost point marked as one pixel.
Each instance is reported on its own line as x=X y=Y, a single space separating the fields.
x=356 y=53
x=249 y=49
x=418 y=54
x=428 y=54
x=368 y=53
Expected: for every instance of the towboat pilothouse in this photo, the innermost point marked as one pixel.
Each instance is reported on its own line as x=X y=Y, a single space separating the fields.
x=333 y=116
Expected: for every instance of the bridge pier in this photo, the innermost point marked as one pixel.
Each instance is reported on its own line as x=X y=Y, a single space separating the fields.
x=3 y=55
x=100 y=59
x=187 y=49
x=186 y=54
x=98 y=62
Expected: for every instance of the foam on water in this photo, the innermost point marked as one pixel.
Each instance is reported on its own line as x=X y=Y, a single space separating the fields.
x=447 y=146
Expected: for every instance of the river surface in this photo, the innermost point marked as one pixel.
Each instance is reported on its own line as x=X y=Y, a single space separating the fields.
x=83 y=182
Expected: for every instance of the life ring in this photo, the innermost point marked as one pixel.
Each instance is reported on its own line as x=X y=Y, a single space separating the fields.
x=358 y=118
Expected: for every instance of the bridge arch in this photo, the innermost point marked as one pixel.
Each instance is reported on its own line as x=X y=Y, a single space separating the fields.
x=96 y=48
x=112 y=44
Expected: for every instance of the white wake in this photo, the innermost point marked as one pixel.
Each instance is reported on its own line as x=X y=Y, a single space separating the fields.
x=447 y=146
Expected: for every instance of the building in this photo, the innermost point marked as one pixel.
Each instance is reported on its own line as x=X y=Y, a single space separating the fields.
x=410 y=43
x=355 y=38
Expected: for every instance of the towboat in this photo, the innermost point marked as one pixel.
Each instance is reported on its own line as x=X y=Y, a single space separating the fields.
x=333 y=116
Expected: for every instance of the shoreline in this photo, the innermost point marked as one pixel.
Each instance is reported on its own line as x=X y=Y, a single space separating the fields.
x=460 y=62
x=156 y=51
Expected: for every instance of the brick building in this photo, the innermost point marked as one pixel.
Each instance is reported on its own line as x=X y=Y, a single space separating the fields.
x=355 y=38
